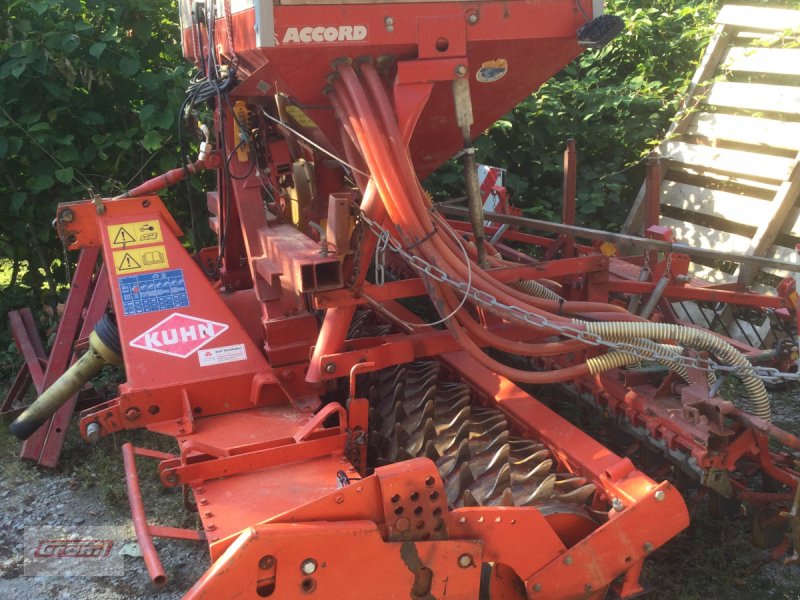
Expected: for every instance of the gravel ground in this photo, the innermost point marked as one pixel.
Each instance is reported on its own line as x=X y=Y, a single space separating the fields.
x=84 y=498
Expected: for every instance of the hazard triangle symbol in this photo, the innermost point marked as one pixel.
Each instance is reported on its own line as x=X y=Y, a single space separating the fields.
x=128 y=263
x=123 y=237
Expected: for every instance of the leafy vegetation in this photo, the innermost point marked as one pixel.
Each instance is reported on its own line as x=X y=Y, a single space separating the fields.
x=89 y=91
x=616 y=102
x=88 y=95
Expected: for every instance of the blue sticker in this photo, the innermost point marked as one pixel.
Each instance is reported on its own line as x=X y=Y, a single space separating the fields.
x=151 y=292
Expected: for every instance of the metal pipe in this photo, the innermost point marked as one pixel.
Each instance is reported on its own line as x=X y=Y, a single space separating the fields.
x=624 y=241
x=655 y=297
x=570 y=191
x=149 y=552
x=633 y=305
x=465 y=119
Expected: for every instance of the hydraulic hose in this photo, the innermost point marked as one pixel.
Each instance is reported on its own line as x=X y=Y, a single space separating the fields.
x=693 y=338
x=375 y=133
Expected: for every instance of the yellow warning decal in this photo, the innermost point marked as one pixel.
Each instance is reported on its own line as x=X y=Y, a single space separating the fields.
x=137 y=260
x=135 y=234
x=300 y=117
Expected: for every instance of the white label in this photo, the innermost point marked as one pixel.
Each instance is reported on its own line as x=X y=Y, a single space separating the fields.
x=222 y=355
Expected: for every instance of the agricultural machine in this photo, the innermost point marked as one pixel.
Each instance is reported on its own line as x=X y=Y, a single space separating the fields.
x=354 y=374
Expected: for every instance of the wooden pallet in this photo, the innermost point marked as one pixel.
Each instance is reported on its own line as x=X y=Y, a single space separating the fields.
x=731 y=159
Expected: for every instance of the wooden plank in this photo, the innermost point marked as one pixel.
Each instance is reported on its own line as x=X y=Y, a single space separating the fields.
x=713 y=179
x=715 y=203
x=759 y=18
x=755 y=96
x=710 y=274
x=746 y=130
x=779 y=61
x=771 y=226
x=706 y=237
x=729 y=161
x=705 y=70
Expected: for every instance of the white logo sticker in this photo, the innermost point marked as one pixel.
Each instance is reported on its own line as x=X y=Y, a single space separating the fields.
x=222 y=355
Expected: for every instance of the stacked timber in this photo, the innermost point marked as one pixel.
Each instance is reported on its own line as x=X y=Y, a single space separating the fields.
x=731 y=159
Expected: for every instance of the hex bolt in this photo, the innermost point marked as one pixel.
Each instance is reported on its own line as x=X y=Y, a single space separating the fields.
x=588 y=587
x=617 y=504
x=67 y=216
x=93 y=432
x=473 y=18
x=567 y=560
x=202 y=501
x=308 y=566
x=537 y=587
x=330 y=368
x=389 y=22
x=660 y=495
x=648 y=547
x=461 y=70
x=464 y=561
x=208 y=513
x=266 y=562
x=211 y=527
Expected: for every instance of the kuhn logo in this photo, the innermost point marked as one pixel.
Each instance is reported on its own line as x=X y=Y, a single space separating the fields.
x=308 y=35
x=179 y=335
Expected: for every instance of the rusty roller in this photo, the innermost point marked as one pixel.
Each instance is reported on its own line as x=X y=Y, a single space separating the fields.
x=414 y=412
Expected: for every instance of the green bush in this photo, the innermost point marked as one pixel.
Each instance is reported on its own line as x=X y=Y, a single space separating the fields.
x=616 y=102
x=88 y=97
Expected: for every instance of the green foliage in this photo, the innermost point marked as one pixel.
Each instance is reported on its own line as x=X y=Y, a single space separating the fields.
x=616 y=102
x=88 y=95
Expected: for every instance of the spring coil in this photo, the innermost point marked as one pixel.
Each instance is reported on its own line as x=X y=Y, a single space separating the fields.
x=693 y=338
x=534 y=288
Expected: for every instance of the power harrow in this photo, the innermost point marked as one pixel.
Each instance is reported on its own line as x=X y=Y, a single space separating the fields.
x=352 y=377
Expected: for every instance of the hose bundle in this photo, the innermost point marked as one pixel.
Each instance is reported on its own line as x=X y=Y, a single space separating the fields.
x=394 y=197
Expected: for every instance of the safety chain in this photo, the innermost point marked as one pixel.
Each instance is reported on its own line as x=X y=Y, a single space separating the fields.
x=517 y=313
x=358 y=237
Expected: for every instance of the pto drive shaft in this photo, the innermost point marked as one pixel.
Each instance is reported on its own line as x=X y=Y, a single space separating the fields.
x=103 y=349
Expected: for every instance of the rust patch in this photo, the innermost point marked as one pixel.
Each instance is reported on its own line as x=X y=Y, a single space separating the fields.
x=423 y=576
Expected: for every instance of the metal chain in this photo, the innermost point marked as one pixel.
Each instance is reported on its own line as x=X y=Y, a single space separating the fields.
x=519 y=314
x=358 y=238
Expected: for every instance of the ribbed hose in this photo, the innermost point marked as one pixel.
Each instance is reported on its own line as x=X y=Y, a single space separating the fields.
x=693 y=338
x=534 y=288
x=606 y=362
x=652 y=350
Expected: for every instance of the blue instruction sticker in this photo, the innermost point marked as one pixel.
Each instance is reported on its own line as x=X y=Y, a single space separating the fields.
x=151 y=292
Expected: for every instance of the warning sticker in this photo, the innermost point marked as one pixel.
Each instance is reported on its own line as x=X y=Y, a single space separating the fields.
x=300 y=117
x=221 y=355
x=137 y=260
x=135 y=234
x=152 y=292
